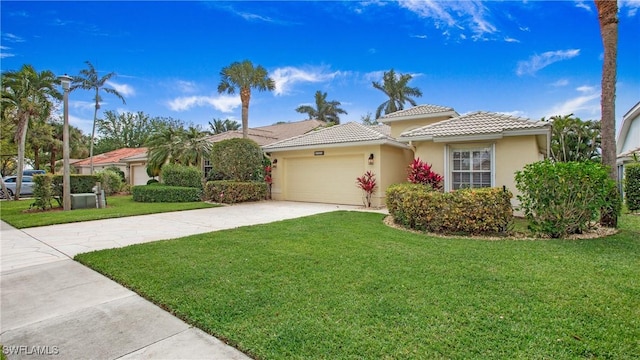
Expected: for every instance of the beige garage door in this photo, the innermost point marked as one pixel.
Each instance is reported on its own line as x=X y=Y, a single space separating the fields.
x=328 y=179
x=140 y=176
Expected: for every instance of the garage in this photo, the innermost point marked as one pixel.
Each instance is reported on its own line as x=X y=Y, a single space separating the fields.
x=327 y=179
x=139 y=174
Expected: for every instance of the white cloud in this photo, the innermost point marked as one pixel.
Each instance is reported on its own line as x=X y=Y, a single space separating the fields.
x=539 y=62
x=560 y=83
x=422 y=36
x=223 y=103
x=374 y=75
x=511 y=40
x=460 y=15
x=587 y=103
x=186 y=86
x=4 y=54
x=124 y=89
x=582 y=5
x=286 y=77
x=12 y=38
x=82 y=105
x=516 y=113
x=631 y=7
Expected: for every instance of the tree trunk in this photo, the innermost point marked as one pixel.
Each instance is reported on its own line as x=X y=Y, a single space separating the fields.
x=93 y=133
x=21 y=148
x=608 y=19
x=245 y=97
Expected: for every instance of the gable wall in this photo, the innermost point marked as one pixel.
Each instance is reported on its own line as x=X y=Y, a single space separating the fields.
x=632 y=140
x=400 y=126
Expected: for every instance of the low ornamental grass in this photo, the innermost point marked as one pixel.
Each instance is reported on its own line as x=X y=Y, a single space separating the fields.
x=18 y=214
x=343 y=285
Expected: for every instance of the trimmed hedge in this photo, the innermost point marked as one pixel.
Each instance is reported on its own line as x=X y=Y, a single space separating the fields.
x=110 y=181
x=236 y=160
x=180 y=175
x=163 y=193
x=231 y=192
x=467 y=211
x=563 y=198
x=42 y=191
x=79 y=184
x=632 y=186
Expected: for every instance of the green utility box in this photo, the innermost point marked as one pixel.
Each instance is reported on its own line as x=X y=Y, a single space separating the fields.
x=83 y=201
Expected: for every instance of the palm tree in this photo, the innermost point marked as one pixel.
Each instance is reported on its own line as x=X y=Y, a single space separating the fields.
x=163 y=145
x=29 y=95
x=608 y=19
x=194 y=147
x=219 y=126
x=88 y=79
x=242 y=77
x=395 y=87
x=326 y=111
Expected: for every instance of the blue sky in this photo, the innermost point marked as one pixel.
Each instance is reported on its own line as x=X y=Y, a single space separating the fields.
x=527 y=58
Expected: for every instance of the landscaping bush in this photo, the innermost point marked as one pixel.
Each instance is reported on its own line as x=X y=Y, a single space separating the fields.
x=419 y=172
x=110 y=181
x=152 y=181
x=118 y=171
x=468 y=211
x=237 y=160
x=632 y=186
x=79 y=184
x=231 y=192
x=181 y=175
x=564 y=198
x=163 y=193
x=42 y=191
x=367 y=183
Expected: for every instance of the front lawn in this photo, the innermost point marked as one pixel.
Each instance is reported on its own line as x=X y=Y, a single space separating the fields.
x=16 y=212
x=343 y=285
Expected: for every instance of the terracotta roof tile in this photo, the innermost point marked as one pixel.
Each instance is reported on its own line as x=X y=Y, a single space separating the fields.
x=111 y=157
x=476 y=123
x=349 y=133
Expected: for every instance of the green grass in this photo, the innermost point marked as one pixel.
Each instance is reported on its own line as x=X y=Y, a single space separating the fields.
x=343 y=285
x=16 y=212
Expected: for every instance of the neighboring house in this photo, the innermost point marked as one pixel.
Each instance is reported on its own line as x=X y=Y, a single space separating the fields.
x=474 y=150
x=628 y=142
x=265 y=135
x=122 y=159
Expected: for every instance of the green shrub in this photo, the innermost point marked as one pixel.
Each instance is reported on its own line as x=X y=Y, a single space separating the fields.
x=42 y=191
x=632 y=186
x=468 y=211
x=117 y=170
x=79 y=184
x=564 y=198
x=180 y=175
x=237 y=160
x=163 y=193
x=110 y=181
x=152 y=181
x=231 y=192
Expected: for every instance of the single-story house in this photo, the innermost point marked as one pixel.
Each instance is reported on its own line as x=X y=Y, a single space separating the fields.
x=628 y=142
x=479 y=149
x=124 y=159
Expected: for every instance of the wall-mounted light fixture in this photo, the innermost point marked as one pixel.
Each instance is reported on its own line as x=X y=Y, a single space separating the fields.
x=274 y=163
x=370 y=159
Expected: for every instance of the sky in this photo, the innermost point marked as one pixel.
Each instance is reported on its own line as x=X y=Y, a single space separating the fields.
x=530 y=58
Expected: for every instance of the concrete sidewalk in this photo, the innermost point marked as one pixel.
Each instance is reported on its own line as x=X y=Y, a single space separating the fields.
x=51 y=305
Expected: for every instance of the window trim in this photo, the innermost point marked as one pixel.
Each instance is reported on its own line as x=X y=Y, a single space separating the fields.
x=448 y=161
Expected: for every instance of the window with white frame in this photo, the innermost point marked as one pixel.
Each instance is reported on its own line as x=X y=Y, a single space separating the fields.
x=471 y=167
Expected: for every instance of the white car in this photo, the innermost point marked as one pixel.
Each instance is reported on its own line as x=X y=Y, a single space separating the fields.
x=10 y=183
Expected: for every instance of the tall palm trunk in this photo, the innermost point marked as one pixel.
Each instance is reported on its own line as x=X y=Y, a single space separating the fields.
x=93 y=132
x=22 y=141
x=245 y=97
x=608 y=19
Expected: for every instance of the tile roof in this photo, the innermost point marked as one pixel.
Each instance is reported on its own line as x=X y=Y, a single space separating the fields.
x=111 y=157
x=476 y=123
x=629 y=153
x=350 y=133
x=417 y=111
x=265 y=135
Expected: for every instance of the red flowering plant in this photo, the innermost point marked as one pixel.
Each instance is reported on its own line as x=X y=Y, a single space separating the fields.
x=367 y=183
x=268 y=179
x=419 y=172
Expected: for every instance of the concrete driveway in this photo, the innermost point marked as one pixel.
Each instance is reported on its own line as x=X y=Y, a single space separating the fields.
x=51 y=305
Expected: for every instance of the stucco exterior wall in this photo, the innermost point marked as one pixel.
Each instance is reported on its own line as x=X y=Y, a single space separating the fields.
x=388 y=167
x=632 y=140
x=400 y=126
x=431 y=153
